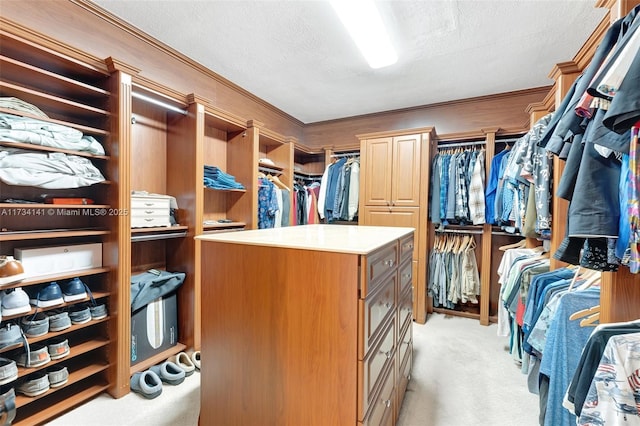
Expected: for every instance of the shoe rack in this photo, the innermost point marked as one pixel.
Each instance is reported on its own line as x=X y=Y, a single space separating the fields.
x=77 y=94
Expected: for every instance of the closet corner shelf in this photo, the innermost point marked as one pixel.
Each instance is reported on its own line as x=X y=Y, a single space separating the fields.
x=158 y=233
x=157 y=358
x=33 y=147
x=225 y=189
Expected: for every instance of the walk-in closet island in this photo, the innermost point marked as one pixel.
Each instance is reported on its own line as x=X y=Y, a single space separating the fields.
x=306 y=325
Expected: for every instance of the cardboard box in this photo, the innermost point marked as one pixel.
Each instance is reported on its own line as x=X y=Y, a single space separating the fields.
x=154 y=328
x=41 y=261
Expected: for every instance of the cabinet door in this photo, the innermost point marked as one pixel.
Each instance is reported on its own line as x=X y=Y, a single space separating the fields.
x=405 y=179
x=376 y=166
x=392 y=216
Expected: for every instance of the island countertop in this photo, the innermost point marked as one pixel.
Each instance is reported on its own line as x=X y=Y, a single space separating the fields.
x=352 y=239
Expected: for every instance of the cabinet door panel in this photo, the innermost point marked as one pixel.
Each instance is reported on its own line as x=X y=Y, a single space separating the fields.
x=406 y=171
x=377 y=171
x=387 y=216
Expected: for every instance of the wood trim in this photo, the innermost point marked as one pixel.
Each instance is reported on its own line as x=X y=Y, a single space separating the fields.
x=487 y=239
x=167 y=50
x=114 y=65
x=396 y=133
x=53 y=46
x=120 y=351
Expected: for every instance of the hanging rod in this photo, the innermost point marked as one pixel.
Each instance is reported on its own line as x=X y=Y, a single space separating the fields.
x=458 y=231
x=269 y=170
x=307 y=176
x=157 y=102
x=346 y=154
x=453 y=145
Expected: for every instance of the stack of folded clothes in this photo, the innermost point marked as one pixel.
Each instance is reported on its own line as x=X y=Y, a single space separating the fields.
x=217 y=179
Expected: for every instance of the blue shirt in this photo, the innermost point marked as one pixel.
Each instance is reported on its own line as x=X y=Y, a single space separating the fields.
x=492 y=186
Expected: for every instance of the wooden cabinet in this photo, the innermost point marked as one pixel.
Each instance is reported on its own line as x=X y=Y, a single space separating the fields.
x=279 y=350
x=394 y=172
x=79 y=96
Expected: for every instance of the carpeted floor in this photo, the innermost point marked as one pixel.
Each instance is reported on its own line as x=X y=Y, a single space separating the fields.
x=461 y=376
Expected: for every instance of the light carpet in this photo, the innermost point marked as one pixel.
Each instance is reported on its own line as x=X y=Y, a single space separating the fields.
x=462 y=376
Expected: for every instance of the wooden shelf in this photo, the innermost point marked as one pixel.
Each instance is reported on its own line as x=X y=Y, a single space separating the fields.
x=61 y=276
x=74 y=377
x=157 y=359
x=15 y=70
x=49 y=233
x=68 y=399
x=34 y=147
x=46 y=101
x=75 y=350
x=84 y=129
x=455 y=313
x=51 y=206
x=224 y=225
x=225 y=189
x=74 y=327
x=96 y=296
x=158 y=233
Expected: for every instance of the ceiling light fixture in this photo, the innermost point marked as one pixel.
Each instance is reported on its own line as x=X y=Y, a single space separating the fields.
x=363 y=21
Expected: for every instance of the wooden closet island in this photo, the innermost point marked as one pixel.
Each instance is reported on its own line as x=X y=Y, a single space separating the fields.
x=306 y=325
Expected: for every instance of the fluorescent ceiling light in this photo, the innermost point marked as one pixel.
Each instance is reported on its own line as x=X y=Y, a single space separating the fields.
x=362 y=20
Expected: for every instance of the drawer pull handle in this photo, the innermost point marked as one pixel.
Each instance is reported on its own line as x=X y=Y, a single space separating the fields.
x=389 y=263
x=408 y=376
x=148 y=219
x=387 y=403
x=148 y=204
x=148 y=211
x=387 y=305
x=408 y=246
x=406 y=275
x=388 y=354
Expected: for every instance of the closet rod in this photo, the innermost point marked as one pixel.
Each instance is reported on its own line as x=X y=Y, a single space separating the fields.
x=307 y=176
x=453 y=145
x=346 y=154
x=158 y=103
x=269 y=170
x=458 y=231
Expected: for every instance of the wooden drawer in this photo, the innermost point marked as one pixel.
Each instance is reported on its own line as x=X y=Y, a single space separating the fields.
x=140 y=202
x=371 y=368
x=407 y=248
x=383 y=407
x=405 y=309
x=406 y=276
x=379 y=265
x=150 y=221
x=374 y=313
x=405 y=345
x=404 y=375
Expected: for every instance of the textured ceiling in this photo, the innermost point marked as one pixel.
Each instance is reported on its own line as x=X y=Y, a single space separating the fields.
x=297 y=56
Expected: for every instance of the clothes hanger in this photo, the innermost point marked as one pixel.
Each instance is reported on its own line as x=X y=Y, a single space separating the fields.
x=583 y=313
x=591 y=320
x=519 y=244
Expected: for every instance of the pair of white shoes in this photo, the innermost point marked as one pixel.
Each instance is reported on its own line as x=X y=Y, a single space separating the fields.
x=188 y=362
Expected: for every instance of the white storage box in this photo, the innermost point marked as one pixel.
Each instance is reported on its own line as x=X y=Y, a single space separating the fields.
x=150 y=211
x=40 y=261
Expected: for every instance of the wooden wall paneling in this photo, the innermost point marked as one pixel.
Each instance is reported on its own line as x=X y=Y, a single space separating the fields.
x=149 y=148
x=503 y=110
x=88 y=28
x=117 y=253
